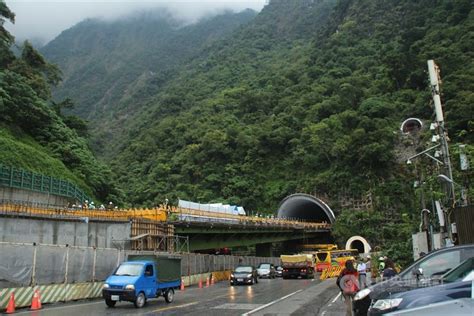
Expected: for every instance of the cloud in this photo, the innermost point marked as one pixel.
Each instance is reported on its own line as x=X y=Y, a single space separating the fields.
x=42 y=20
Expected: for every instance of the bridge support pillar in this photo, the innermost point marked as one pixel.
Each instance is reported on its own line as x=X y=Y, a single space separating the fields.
x=263 y=250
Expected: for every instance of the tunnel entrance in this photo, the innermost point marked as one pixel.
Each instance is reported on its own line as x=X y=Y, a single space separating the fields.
x=357 y=244
x=305 y=207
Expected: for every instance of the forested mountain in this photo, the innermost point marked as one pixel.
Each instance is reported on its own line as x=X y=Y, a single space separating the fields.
x=34 y=133
x=307 y=105
x=307 y=96
x=111 y=68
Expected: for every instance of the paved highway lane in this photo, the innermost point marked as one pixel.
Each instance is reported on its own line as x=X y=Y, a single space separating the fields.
x=268 y=297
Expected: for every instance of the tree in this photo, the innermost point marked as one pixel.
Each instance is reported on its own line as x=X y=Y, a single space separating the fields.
x=6 y=39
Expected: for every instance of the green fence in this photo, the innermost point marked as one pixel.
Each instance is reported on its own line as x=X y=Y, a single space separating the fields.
x=22 y=179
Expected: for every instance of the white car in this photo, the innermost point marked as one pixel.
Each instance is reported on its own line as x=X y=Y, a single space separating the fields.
x=266 y=270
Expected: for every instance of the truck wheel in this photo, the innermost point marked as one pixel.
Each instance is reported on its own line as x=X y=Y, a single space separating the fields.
x=140 y=300
x=110 y=303
x=169 y=295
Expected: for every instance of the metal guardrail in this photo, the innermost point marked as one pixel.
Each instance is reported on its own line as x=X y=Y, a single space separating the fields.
x=22 y=179
x=190 y=215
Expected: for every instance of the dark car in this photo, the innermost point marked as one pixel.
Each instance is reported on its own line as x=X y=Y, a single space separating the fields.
x=244 y=275
x=432 y=266
x=266 y=270
x=455 y=284
x=279 y=271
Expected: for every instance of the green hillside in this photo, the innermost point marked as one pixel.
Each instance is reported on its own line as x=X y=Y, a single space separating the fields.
x=34 y=134
x=307 y=96
x=112 y=68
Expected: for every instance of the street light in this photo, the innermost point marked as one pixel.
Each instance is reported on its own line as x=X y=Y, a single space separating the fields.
x=446 y=179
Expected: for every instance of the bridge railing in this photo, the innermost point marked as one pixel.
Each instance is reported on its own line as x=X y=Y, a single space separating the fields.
x=160 y=214
x=191 y=215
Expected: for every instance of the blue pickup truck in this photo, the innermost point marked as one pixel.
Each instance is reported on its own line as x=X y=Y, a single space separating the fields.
x=142 y=277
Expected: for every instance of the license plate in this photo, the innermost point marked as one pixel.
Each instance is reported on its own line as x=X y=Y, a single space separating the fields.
x=115 y=297
x=240 y=280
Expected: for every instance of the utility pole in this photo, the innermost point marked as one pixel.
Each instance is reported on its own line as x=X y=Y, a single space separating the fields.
x=442 y=136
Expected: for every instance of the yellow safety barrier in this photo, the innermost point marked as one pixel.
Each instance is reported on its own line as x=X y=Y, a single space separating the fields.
x=157 y=214
x=330 y=272
x=160 y=213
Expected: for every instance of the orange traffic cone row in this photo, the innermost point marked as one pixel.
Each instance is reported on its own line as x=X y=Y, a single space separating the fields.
x=207 y=282
x=11 y=304
x=36 y=301
x=200 y=283
x=182 y=285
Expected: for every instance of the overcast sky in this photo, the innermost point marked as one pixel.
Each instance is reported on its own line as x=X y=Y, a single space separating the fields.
x=42 y=20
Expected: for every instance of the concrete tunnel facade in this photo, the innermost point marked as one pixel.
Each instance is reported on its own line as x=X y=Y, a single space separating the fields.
x=306 y=207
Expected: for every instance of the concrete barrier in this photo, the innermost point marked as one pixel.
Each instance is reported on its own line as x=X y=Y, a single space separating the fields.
x=51 y=293
x=54 y=293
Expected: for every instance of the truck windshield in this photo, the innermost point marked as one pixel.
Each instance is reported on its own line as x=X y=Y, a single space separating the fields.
x=129 y=269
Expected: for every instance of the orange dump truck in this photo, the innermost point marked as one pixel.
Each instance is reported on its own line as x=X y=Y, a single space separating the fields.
x=295 y=266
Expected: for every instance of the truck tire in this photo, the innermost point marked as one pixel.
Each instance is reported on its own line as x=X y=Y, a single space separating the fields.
x=140 y=301
x=110 y=303
x=169 y=295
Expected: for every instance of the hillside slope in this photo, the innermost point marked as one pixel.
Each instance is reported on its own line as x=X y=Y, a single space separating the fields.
x=34 y=134
x=112 y=68
x=265 y=113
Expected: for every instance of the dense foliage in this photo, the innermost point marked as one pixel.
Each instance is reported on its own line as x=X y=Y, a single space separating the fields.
x=111 y=68
x=307 y=96
x=33 y=133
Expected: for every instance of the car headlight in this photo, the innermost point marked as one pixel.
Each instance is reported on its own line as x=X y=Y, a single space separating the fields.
x=361 y=294
x=130 y=287
x=105 y=286
x=249 y=275
x=387 y=303
x=232 y=275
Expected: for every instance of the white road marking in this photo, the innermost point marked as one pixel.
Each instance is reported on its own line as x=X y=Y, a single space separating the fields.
x=172 y=307
x=335 y=299
x=237 y=306
x=271 y=303
x=324 y=313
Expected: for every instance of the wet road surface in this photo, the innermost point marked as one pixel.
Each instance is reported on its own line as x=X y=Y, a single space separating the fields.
x=268 y=297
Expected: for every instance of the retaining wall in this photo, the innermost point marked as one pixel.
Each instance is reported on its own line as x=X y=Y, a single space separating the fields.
x=14 y=194
x=71 y=232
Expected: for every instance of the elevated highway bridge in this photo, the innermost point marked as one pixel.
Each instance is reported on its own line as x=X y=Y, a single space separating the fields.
x=300 y=218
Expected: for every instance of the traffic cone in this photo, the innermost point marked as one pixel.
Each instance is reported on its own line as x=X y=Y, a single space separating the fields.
x=182 y=285
x=11 y=304
x=200 y=283
x=207 y=282
x=36 y=301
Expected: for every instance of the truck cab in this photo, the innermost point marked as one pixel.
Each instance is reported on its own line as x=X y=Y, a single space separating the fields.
x=139 y=280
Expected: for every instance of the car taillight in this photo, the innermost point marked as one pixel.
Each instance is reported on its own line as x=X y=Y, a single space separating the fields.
x=303 y=270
